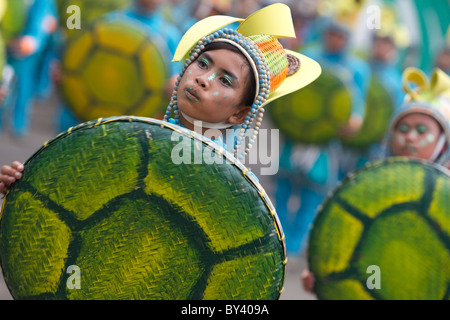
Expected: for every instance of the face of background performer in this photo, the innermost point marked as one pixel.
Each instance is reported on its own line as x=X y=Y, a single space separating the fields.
x=384 y=49
x=148 y=6
x=335 y=41
x=443 y=60
x=214 y=88
x=415 y=136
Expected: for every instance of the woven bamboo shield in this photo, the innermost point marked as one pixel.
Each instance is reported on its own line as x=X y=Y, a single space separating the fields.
x=112 y=209
x=113 y=68
x=384 y=233
x=379 y=109
x=315 y=113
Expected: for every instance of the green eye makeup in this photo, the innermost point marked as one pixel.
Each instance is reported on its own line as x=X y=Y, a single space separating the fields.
x=203 y=62
x=421 y=128
x=228 y=79
x=404 y=128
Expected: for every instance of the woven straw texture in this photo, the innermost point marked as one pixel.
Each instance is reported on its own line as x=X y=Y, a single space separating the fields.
x=275 y=57
x=315 y=113
x=393 y=215
x=114 y=68
x=379 y=110
x=107 y=197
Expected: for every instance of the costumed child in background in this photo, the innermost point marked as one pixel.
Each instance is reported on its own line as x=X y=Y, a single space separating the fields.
x=148 y=12
x=308 y=172
x=25 y=53
x=420 y=129
x=229 y=76
x=386 y=46
x=383 y=65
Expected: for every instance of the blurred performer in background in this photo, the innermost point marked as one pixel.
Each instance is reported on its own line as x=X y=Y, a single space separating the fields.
x=336 y=55
x=385 y=95
x=184 y=14
x=420 y=129
x=25 y=53
x=307 y=171
x=148 y=12
x=443 y=59
x=163 y=32
x=383 y=65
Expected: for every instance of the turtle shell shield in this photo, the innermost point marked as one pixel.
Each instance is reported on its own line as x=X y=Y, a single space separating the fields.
x=384 y=233
x=114 y=68
x=315 y=113
x=117 y=201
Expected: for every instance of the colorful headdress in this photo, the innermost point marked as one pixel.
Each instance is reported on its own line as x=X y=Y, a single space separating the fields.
x=277 y=71
x=430 y=97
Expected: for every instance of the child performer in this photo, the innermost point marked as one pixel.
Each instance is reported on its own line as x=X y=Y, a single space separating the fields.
x=229 y=76
x=420 y=129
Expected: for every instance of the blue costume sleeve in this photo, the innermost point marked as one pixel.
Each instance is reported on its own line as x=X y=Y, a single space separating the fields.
x=38 y=23
x=361 y=78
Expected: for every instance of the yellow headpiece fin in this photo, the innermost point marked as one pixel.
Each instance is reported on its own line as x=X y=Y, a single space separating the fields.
x=198 y=31
x=274 y=20
x=440 y=83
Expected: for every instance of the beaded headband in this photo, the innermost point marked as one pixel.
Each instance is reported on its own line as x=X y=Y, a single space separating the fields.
x=268 y=59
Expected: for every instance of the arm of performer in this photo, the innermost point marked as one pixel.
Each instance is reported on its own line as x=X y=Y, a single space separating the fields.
x=308 y=281
x=9 y=174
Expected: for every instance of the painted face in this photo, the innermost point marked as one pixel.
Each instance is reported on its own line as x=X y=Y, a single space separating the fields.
x=213 y=87
x=415 y=136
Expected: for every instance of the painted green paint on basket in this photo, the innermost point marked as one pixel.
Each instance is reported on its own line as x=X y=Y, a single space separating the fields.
x=107 y=197
x=401 y=227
